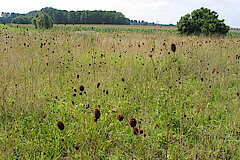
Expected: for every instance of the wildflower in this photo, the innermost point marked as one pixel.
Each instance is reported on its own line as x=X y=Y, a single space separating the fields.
x=133 y=122
x=141 y=131
x=81 y=88
x=76 y=147
x=120 y=117
x=135 y=131
x=60 y=125
x=97 y=114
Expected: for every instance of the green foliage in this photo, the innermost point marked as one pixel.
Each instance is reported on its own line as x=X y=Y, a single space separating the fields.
x=202 y=21
x=44 y=21
x=86 y=17
x=7 y=17
x=21 y=20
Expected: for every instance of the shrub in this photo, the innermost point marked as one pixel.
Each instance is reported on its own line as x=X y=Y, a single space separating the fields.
x=202 y=21
x=44 y=21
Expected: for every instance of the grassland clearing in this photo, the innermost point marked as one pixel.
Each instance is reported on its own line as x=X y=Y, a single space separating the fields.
x=185 y=102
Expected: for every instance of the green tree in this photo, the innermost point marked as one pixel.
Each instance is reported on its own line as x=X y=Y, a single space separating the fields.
x=202 y=21
x=21 y=20
x=44 y=21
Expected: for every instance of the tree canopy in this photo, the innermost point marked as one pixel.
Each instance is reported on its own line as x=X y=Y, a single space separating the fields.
x=21 y=20
x=202 y=21
x=74 y=17
x=86 y=17
x=68 y=17
x=44 y=21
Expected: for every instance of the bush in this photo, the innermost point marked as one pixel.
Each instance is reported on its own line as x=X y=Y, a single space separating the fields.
x=202 y=21
x=44 y=21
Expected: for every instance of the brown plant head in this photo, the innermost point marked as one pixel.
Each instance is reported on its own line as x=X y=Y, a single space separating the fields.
x=173 y=47
x=97 y=114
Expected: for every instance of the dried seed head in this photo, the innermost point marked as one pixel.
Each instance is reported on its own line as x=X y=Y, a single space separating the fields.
x=173 y=47
x=60 y=125
x=98 y=85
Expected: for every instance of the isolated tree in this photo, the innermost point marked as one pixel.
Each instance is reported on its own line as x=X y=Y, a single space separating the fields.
x=202 y=21
x=44 y=21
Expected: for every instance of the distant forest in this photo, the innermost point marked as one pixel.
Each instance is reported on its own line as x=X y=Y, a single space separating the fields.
x=73 y=17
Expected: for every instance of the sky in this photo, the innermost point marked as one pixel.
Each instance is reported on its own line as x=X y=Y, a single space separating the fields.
x=158 y=11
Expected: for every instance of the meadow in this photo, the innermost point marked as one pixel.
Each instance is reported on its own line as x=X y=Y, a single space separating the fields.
x=105 y=92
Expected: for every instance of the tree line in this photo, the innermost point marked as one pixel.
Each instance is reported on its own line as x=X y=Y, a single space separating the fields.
x=73 y=17
x=68 y=17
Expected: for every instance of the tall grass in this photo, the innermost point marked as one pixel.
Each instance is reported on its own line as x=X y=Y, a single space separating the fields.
x=186 y=103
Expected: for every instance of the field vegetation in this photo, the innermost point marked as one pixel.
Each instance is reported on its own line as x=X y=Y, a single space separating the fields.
x=95 y=92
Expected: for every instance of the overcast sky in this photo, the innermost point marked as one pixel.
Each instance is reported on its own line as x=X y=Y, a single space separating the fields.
x=160 y=11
